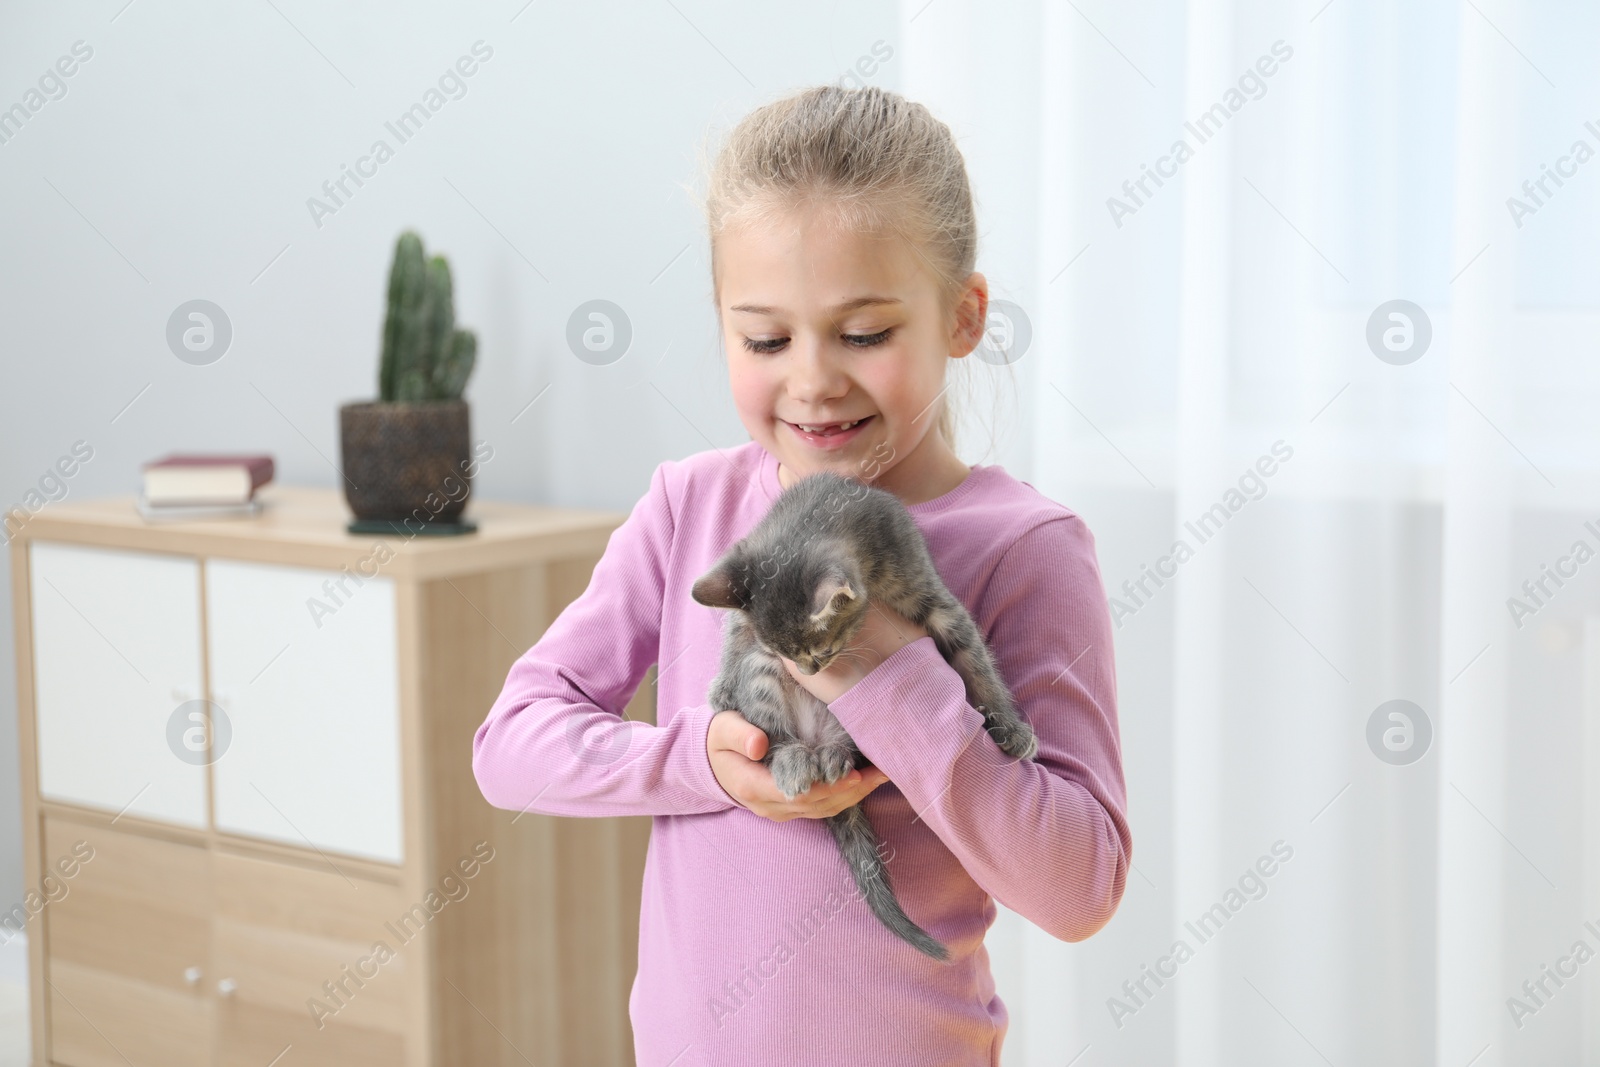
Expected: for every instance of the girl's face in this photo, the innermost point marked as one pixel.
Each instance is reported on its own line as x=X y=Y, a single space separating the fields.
x=824 y=326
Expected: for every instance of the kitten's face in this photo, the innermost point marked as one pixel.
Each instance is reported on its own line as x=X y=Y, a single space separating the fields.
x=805 y=613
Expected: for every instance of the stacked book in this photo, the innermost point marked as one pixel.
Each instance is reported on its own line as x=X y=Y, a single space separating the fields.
x=203 y=486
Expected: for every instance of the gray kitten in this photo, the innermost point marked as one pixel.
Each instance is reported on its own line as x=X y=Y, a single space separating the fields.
x=800 y=584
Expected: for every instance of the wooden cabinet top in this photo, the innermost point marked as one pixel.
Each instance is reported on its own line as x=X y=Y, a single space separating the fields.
x=305 y=526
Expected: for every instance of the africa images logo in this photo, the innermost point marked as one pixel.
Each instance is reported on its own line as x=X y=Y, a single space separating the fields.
x=405 y=126
x=1206 y=126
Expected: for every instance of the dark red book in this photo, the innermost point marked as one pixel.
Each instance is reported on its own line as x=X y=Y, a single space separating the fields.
x=206 y=478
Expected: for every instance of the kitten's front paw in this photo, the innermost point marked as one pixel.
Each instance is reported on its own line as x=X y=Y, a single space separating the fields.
x=793 y=770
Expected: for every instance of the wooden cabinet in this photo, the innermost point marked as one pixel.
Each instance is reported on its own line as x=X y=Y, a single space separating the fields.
x=250 y=742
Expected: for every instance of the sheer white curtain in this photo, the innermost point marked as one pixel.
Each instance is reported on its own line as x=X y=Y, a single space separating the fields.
x=1318 y=509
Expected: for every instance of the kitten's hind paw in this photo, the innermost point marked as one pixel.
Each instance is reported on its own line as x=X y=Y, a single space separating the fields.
x=793 y=769
x=834 y=762
x=1016 y=739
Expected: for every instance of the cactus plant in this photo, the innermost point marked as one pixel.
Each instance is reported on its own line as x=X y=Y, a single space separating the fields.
x=425 y=357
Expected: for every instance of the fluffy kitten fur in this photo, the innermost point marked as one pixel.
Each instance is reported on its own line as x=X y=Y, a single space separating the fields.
x=798 y=586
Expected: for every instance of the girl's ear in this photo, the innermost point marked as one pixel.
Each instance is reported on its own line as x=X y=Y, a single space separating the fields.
x=971 y=316
x=722 y=586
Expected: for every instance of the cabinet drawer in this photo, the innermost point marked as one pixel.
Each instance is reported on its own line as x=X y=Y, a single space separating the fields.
x=134 y=919
x=116 y=649
x=304 y=665
x=292 y=938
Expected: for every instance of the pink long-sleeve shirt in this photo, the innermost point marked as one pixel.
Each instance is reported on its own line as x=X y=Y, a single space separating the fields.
x=754 y=945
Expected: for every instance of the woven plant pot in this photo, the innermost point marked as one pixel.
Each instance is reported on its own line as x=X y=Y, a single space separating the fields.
x=406 y=461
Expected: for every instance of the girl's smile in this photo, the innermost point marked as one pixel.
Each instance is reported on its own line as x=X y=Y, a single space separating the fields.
x=829 y=436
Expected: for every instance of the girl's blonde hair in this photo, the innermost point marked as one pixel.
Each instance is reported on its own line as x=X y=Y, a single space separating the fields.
x=883 y=164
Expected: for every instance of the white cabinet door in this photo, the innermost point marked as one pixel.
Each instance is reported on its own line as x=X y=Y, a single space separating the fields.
x=304 y=670
x=116 y=653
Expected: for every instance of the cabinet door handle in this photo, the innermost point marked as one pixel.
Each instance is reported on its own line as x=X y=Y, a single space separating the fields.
x=227 y=986
x=192 y=975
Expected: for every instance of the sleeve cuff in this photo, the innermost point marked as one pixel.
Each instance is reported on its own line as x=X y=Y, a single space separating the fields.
x=910 y=715
x=695 y=765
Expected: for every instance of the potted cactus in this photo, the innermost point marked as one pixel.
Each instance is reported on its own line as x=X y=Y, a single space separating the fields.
x=407 y=456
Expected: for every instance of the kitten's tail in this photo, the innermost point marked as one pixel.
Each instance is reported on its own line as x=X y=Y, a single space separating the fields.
x=852 y=830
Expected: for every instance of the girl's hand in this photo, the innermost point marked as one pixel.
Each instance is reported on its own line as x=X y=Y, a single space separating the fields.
x=735 y=747
x=883 y=632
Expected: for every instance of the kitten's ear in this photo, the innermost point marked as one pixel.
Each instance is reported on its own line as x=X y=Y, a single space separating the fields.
x=722 y=586
x=830 y=596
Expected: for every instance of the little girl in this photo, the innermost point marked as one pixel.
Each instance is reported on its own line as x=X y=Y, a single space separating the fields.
x=843 y=240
